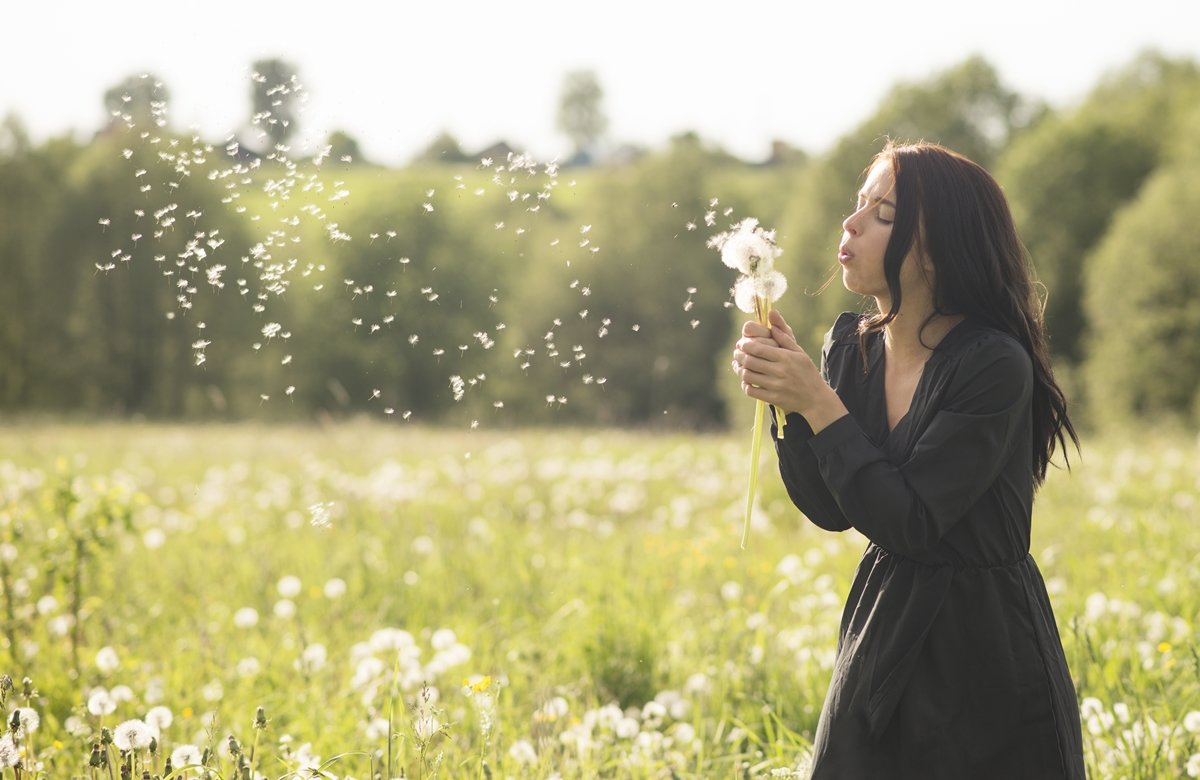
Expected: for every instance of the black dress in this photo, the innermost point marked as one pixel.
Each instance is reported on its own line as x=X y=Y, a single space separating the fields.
x=949 y=663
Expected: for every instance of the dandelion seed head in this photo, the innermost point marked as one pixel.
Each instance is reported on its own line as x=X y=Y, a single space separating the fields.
x=159 y=718
x=132 y=735
x=246 y=617
x=107 y=660
x=101 y=702
x=289 y=586
x=185 y=755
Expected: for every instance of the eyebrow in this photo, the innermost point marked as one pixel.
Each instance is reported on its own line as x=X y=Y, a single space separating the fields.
x=884 y=201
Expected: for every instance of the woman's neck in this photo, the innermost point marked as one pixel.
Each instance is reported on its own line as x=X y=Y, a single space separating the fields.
x=911 y=337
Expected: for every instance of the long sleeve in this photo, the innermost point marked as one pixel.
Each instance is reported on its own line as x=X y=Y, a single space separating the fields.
x=801 y=473
x=798 y=466
x=908 y=508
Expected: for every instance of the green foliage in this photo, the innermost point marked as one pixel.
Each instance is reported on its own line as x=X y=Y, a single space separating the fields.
x=502 y=278
x=1068 y=176
x=32 y=331
x=581 y=110
x=274 y=99
x=443 y=149
x=137 y=101
x=594 y=578
x=1143 y=303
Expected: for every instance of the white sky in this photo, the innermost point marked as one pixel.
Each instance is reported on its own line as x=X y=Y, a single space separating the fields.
x=394 y=73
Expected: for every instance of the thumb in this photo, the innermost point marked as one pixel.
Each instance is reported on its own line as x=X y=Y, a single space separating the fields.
x=781 y=331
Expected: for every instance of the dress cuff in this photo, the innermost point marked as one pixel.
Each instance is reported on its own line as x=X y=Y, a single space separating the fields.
x=834 y=435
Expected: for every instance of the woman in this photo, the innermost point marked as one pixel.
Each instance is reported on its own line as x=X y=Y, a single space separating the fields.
x=927 y=429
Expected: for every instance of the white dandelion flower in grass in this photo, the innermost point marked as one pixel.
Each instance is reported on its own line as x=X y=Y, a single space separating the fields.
x=101 y=702
x=107 y=660
x=26 y=720
x=523 y=753
x=159 y=718
x=246 y=617
x=1191 y=722
x=284 y=609
x=185 y=755
x=10 y=754
x=334 y=588
x=132 y=735
x=313 y=658
x=288 y=586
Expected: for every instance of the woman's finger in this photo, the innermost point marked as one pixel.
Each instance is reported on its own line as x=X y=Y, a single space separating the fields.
x=755 y=330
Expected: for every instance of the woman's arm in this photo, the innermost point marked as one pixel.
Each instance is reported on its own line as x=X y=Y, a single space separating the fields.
x=798 y=466
x=908 y=508
x=801 y=474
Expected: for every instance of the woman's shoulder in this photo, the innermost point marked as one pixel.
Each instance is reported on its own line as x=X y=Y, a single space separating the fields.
x=974 y=340
x=972 y=349
x=844 y=332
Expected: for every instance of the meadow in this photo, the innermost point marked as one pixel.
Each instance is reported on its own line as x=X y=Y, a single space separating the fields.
x=375 y=599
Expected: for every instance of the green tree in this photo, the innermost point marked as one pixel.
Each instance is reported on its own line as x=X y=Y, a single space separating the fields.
x=662 y=292
x=1067 y=177
x=275 y=92
x=443 y=149
x=125 y=252
x=138 y=101
x=411 y=309
x=344 y=148
x=32 y=328
x=1143 y=302
x=581 y=114
x=1065 y=180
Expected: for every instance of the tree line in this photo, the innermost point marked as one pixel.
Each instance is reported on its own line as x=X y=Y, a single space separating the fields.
x=150 y=272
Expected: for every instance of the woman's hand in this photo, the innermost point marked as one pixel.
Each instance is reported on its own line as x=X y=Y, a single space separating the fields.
x=775 y=369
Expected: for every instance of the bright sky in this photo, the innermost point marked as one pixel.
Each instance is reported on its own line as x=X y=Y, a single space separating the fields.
x=394 y=73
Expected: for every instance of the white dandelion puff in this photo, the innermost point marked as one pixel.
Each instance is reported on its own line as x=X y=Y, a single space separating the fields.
x=288 y=586
x=185 y=755
x=132 y=735
x=747 y=247
x=10 y=754
x=101 y=702
x=107 y=660
x=159 y=718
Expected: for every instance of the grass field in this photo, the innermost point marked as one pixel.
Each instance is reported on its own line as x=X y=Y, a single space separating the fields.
x=404 y=602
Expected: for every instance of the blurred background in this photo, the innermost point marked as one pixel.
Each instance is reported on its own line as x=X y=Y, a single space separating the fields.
x=482 y=215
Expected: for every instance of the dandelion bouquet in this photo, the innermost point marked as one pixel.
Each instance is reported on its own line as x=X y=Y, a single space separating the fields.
x=750 y=249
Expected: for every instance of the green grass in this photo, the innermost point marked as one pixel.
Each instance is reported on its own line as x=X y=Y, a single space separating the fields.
x=588 y=583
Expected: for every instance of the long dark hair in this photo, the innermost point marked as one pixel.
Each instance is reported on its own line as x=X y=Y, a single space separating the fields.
x=956 y=215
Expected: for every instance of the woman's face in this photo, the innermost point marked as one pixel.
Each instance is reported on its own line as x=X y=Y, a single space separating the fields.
x=865 y=235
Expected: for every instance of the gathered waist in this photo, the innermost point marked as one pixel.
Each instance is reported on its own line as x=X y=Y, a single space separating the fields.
x=1025 y=559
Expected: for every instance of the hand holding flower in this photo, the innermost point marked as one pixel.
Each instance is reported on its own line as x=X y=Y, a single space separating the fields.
x=775 y=369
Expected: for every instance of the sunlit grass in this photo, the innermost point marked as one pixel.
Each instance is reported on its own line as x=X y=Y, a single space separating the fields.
x=365 y=579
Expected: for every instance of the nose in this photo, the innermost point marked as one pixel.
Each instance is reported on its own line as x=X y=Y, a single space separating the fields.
x=850 y=225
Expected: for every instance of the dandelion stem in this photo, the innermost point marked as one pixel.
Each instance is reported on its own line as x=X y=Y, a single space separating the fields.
x=755 y=446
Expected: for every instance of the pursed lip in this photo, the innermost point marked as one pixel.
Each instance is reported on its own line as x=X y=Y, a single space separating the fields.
x=844 y=254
